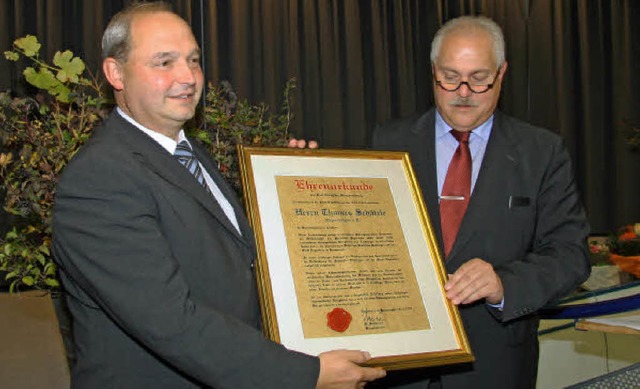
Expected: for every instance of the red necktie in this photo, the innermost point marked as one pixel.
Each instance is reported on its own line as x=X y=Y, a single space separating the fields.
x=456 y=191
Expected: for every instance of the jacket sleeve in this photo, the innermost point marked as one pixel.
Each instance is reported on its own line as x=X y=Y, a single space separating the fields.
x=557 y=261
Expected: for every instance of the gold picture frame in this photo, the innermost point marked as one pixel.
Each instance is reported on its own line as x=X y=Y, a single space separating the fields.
x=347 y=258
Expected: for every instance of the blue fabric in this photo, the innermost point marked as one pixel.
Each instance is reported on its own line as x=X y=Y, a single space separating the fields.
x=579 y=311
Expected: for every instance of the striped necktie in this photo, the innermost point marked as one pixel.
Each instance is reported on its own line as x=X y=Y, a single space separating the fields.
x=184 y=154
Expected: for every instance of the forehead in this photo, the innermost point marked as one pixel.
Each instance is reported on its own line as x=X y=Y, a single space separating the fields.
x=467 y=50
x=161 y=31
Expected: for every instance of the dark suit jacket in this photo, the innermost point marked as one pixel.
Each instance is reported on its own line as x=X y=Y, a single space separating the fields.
x=525 y=218
x=160 y=283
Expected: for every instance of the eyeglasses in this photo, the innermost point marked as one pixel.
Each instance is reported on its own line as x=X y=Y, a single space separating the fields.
x=476 y=87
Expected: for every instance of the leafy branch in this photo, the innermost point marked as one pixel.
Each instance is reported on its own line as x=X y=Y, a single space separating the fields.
x=40 y=134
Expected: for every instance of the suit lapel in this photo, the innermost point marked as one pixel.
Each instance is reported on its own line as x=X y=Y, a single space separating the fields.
x=498 y=166
x=149 y=153
x=422 y=150
x=226 y=189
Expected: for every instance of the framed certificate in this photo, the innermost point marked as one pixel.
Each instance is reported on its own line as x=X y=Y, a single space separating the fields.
x=347 y=258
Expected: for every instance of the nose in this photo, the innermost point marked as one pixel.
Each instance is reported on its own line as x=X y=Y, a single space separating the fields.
x=464 y=90
x=186 y=72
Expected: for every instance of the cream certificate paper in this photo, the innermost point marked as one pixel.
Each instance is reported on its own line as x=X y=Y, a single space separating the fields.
x=351 y=266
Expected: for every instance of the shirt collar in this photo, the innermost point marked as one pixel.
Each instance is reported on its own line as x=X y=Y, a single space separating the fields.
x=164 y=141
x=483 y=131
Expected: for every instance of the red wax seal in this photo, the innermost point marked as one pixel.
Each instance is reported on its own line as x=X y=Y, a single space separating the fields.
x=338 y=319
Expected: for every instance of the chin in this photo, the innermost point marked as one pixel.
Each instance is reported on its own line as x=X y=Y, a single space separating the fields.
x=184 y=113
x=462 y=124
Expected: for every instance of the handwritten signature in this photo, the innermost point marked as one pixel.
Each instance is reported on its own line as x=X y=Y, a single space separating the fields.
x=373 y=319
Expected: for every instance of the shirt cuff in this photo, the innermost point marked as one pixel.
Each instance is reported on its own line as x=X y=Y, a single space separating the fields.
x=498 y=306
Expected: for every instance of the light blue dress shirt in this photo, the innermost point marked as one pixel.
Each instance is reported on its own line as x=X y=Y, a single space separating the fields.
x=446 y=145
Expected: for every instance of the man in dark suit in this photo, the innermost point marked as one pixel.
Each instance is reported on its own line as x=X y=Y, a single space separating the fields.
x=157 y=258
x=516 y=238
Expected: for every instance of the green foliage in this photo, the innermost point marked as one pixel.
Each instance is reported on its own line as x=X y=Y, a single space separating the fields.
x=27 y=263
x=228 y=122
x=39 y=135
x=59 y=79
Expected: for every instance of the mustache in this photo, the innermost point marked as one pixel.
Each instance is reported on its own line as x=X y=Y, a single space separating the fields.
x=462 y=101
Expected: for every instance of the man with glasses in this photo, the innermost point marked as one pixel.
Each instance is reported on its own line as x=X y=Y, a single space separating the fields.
x=502 y=201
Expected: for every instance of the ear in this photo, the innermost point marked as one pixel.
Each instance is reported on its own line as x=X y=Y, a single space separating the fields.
x=433 y=74
x=503 y=70
x=113 y=72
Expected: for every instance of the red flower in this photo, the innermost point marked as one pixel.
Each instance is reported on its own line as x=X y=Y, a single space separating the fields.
x=627 y=241
x=629 y=235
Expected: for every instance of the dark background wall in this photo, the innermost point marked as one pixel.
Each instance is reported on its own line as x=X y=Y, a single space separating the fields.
x=361 y=62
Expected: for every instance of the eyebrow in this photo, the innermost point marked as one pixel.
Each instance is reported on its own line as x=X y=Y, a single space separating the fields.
x=162 y=55
x=475 y=72
x=165 y=55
